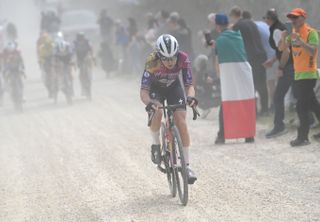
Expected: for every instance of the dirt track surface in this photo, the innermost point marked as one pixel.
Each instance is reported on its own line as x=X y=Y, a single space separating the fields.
x=90 y=162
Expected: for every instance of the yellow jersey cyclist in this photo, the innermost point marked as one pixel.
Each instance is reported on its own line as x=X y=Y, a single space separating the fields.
x=161 y=82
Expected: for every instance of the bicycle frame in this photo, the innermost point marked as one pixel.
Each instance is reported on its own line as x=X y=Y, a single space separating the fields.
x=169 y=123
x=168 y=114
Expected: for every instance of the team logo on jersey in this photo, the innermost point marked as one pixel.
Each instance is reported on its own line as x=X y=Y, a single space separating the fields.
x=296 y=54
x=146 y=74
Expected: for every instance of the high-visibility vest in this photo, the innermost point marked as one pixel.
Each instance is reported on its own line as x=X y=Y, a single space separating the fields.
x=305 y=65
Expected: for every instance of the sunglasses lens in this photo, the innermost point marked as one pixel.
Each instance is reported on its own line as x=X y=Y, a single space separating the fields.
x=293 y=17
x=168 y=59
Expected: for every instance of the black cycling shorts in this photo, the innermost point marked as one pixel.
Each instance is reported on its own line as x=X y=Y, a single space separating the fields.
x=173 y=94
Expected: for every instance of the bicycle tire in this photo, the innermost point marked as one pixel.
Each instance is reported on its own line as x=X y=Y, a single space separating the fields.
x=55 y=85
x=67 y=87
x=171 y=178
x=182 y=169
x=16 y=93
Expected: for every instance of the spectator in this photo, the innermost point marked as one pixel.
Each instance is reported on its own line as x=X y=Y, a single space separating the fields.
x=162 y=22
x=106 y=25
x=271 y=68
x=208 y=38
x=134 y=47
x=108 y=62
x=212 y=26
x=179 y=29
x=50 y=22
x=185 y=38
x=255 y=52
x=173 y=26
x=132 y=28
x=151 y=33
x=304 y=42
x=237 y=118
x=285 y=72
x=122 y=41
x=207 y=88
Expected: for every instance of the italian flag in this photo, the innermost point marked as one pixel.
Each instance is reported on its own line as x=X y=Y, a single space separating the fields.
x=238 y=94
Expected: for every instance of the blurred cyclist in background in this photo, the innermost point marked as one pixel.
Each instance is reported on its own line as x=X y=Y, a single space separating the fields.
x=85 y=61
x=45 y=46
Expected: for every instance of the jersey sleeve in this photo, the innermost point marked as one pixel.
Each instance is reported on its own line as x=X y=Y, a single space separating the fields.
x=146 y=80
x=151 y=65
x=313 y=38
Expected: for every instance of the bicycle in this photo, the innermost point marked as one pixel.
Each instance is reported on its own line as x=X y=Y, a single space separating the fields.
x=85 y=75
x=62 y=80
x=16 y=89
x=172 y=152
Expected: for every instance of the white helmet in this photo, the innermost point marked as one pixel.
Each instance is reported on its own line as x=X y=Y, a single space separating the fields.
x=60 y=35
x=167 y=46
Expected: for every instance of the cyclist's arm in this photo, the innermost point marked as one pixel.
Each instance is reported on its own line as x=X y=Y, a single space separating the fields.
x=190 y=91
x=187 y=78
x=144 y=96
x=145 y=88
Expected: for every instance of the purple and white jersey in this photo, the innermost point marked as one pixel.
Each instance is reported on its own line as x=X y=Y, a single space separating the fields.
x=156 y=74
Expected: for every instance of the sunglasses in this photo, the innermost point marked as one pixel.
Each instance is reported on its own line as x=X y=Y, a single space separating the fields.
x=293 y=17
x=165 y=59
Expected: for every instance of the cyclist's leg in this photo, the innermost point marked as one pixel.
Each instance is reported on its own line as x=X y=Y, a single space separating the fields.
x=175 y=95
x=155 y=94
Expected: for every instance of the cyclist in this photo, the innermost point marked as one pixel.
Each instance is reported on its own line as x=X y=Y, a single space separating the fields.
x=45 y=46
x=161 y=81
x=85 y=58
x=64 y=62
x=83 y=48
x=12 y=59
x=13 y=65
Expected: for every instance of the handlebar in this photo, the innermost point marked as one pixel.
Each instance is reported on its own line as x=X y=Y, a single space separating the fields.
x=196 y=113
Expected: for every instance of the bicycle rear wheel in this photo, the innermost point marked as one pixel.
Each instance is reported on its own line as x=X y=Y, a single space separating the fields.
x=180 y=167
x=168 y=163
x=17 y=93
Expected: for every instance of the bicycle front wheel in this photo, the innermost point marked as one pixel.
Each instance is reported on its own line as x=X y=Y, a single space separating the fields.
x=180 y=167
x=168 y=163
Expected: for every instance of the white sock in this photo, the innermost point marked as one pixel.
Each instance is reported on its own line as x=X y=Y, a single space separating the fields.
x=186 y=154
x=155 y=137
